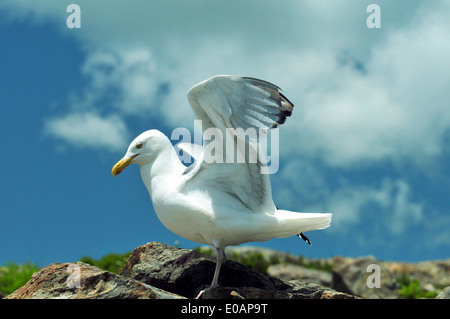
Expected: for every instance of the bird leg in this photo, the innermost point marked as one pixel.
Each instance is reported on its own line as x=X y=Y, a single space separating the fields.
x=221 y=258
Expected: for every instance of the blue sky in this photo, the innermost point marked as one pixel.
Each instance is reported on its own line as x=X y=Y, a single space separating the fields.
x=369 y=139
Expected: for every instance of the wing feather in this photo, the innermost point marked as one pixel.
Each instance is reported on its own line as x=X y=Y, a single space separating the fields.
x=238 y=102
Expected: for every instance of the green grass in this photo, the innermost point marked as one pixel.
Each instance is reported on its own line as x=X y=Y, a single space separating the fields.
x=253 y=260
x=13 y=276
x=411 y=289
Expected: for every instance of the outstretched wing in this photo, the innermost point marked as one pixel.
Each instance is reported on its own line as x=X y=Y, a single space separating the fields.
x=231 y=104
x=239 y=102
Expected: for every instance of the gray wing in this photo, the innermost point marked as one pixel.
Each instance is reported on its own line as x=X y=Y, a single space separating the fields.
x=232 y=101
x=229 y=106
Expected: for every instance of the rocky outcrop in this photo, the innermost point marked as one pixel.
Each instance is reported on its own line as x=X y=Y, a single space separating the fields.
x=350 y=275
x=444 y=294
x=159 y=271
x=298 y=272
x=83 y=281
x=431 y=274
x=296 y=290
x=186 y=273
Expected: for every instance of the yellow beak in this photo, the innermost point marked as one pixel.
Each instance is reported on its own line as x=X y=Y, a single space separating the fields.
x=121 y=165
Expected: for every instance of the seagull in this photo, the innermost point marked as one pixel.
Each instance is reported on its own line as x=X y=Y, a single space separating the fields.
x=220 y=203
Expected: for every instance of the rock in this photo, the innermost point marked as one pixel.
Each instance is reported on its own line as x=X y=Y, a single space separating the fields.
x=296 y=272
x=302 y=290
x=434 y=273
x=444 y=294
x=297 y=290
x=83 y=281
x=186 y=272
x=159 y=271
x=350 y=276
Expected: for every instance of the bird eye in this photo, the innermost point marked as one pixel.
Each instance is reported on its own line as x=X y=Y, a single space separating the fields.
x=139 y=146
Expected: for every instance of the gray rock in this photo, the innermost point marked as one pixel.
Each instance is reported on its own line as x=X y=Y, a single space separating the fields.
x=296 y=272
x=350 y=275
x=83 y=281
x=186 y=272
x=444 y=294
x=297 y=290
x=434 y=273
x=159 y=271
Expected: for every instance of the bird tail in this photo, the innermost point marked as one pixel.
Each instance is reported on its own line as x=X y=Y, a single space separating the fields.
x=293 y=223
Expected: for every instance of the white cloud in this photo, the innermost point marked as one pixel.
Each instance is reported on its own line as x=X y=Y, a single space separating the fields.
x=89 y=130
x=391 y=203
x=126 y=78
x=394 y=107
x=120 y=83
x=404 y=211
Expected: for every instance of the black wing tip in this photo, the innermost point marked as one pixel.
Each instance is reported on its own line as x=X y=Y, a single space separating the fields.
x=285 y=114
x=284 y=108
x=261 y=82
x=302 y=236
x=282 y=116
x=287 y=104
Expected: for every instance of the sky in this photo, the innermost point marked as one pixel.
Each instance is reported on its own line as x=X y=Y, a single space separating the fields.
x=369 y=138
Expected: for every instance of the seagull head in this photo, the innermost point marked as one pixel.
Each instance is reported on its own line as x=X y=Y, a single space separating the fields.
x=143 y=150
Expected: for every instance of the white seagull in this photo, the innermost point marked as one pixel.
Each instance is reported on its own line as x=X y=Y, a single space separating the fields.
x=220 y=203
